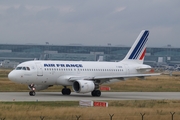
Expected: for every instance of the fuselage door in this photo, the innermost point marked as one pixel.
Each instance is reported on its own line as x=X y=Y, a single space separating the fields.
x=39 y=69
x=127 y=69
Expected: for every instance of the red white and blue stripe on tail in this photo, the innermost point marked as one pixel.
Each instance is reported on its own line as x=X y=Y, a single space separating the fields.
x=138 y=50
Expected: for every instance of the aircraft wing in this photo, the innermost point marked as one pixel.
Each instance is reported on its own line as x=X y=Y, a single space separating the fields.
x=105 y=78
x=125 y=76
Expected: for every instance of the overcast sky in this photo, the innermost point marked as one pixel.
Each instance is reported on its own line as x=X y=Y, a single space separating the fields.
x=89 y=22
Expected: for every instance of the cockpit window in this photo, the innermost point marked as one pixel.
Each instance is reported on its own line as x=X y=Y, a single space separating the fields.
x=24 y=68
x=27 y=68
x=18 y=68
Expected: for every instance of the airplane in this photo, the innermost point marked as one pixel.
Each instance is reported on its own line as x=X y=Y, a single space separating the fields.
x=83 y=76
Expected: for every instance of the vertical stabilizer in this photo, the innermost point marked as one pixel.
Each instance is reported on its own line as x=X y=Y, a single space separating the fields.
x=138 y=50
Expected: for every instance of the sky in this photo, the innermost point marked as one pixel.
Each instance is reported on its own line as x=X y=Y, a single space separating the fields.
x=89 y=22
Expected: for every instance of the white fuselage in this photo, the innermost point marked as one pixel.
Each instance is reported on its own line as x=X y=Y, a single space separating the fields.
x=58 y=72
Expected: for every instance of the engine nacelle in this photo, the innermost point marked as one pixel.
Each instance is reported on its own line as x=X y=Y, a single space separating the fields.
x=83 y=86
x=39 y=87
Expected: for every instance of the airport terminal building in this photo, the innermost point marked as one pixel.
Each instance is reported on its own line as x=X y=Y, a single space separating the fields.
x=24 y=52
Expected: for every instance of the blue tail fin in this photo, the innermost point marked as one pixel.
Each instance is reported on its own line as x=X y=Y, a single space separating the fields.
x=138 y=50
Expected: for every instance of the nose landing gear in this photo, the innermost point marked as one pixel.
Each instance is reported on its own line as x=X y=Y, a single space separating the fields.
x=32 y=88
x=32 y=93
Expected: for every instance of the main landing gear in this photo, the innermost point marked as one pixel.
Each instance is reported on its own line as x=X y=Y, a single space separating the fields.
x=32 y=88
x=96 y=93
x=66 y=91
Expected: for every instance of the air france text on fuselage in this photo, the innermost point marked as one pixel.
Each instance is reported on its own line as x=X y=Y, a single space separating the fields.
x=63 y=65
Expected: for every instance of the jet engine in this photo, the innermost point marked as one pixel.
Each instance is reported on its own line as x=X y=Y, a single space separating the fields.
x=83 y=86
x=39 y=87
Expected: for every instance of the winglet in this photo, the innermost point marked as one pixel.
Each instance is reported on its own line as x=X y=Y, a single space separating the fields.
x=138 y=50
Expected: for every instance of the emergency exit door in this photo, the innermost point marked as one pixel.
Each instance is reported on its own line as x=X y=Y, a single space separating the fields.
x=39 y=69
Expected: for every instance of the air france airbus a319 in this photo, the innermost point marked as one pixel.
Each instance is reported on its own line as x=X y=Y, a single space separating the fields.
x=83 y=76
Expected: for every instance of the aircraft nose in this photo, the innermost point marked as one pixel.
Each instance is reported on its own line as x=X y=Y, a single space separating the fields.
x=12 y=76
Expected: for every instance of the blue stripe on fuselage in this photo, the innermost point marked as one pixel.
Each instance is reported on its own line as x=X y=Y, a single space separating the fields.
x=139 y=46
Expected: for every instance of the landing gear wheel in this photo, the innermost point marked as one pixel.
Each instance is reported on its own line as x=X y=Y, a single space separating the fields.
x=96 y=93
x=93 y=93
x=32 y=93
x=66 y=91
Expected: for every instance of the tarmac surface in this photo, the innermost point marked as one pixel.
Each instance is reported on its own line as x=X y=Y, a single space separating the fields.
x=57 y=96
